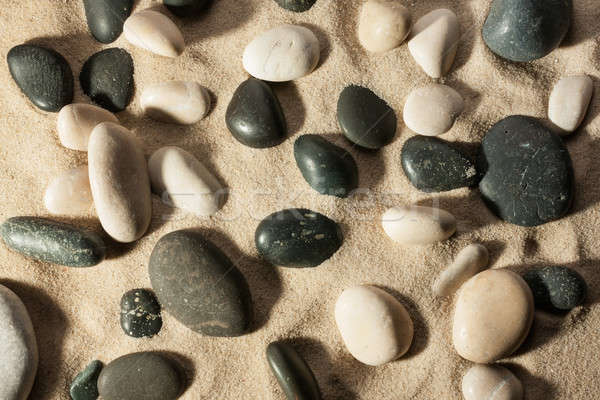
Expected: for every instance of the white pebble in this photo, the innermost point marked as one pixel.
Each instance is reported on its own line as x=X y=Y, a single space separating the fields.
x=383 y=25
x=432 y=110
x=155 y=32
x=470 y=261
x=491 y=382
x=70 y=193
x=417 y=225
x=176 y=102
x=569 y=102
x=76 y=121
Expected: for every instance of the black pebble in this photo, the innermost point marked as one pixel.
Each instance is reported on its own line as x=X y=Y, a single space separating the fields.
x=296 y=5
x=293 y=373
x=140 y=313
x=85 y=384
x=556 y=289
x=105 y=18
x=186 y=8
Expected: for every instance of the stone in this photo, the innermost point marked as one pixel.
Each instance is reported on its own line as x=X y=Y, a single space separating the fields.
x=293 y=373
x=282 y=54
x=375 y=327
x=525 y=30
x=85 y=384
x=141 y=376
x=70 y=193
x=469 y=262
x=42 y=74
x=76 y=121
x=254 y=116
x=433 y=165
x=556 y=289
x=155 y=32
x=569 y=102
x=53 y=242
x=493 y=315
x=105 y=18
x=327 y=168
x=18 y=348
x=140 y=313
x=492 y=382
x=176 y=102
x=366 y=120
x=119 y=181
x=297 y=238
x=418 y=225
x=383 y=25
x=184 y=182
x=432 y=110
x=186 y=8
x=197 y=284
x=527 y=174
x=434 y=41
x=107 y=78
x=296 y=5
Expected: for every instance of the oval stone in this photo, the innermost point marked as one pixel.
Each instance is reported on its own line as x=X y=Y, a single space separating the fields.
x=470 y=261
x=176 y=102
x=186 y=8
x=70 y=193
x=556 y=289
x=296 y=5
x=140 y=313
x=297 y=238
x=569 y=101
x=383 y=25
x=432 y=110
x=293 y=373
x=105 y=18
x=155 y=32
x=491 y=382
x=76 y=121
x=417 y=225
x=85 y=384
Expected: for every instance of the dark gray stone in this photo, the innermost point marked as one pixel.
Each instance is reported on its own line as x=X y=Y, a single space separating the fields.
x=296 y=5
x=293 y=373
x=105 y=18
x=556 y=289
x=140 y=313
x=186 y=8
x=85 y=384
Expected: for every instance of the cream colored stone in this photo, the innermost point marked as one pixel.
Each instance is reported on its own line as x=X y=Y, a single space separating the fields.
x=434 y=41
x=383 y=25
x=76 y=121
x=491 y=382
x=417 y=225
x=119 y=182
x=467 y=263
x=432 y=110
x=177 y=102
x=375 y=327
x=70 y=193
x=493 y=315
x=569 y=102
x=154 y=32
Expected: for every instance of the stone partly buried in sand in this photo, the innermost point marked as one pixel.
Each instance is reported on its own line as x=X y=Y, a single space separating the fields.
x=432 y=110
x=293 y=373
x=418 y=225
x=186 y=8
x=85 y=384
x=383 y=25
x=296 y=5
x=76 y=121
x=105 y=18
x=569 y=102
x=176 y=102
x=70 y=193
x=140 y=313
x=470 y=261
x=556 y=289
x=491 y=382
x=155 y=32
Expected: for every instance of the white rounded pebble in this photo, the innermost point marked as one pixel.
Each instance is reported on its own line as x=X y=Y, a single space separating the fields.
x=70 y=193
x=569 y=102
x=155 y=32
x=417 y=225
x=470 y=261
x=432 y=110
x=76 y=121
x=491 y=382
x=176 y=102
x=383 y=25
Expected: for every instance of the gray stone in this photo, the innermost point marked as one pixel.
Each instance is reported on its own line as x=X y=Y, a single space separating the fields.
x=556 y=289
x=296 y=5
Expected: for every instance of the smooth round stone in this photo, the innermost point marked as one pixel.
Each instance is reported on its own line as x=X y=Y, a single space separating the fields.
x=327 y=168
x=18 y=348
x=105 y=18
x=176 y=102
x=293 y=373
x=155 y=32
x=493 y=314
x=525 y=30
x=53 y=242
x=569 y=101
x=375 y=327
x=470 y=261
x=434 y=41
x=556 y=289
x=527 y=172
x=107 y=78
x=184 y=182
x=281 y=54
x=141 y=376
x=417 y=225
x=383 y=25
x=42 y=74
x=491 y=382
x=433 y=165
x=85 y=384
x=197 y=284
x=140 y=313
x=70 y=193
x=297 y=238
x=76 y=121
x=119 y=181
x=365 y=119
x=186 y=8
x=432 y=110
x=296 y=5
x=254 y=116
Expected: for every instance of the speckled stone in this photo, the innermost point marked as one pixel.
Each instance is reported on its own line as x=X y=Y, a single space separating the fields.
x=85 y=384
x=140 y=313
x=186 y=8
x=556 y=289
x=292 y=372
x=296 y=5
x=105 y=18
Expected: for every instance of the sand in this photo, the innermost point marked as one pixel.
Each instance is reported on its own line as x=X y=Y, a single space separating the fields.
x=75 y=312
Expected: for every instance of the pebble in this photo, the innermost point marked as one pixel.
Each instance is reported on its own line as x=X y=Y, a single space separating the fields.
x=432 y=110
x=281 y=54
x=469 y=262
x=383 y=25
x=493 y=315
x=327 y=168
x=366 y=120
x=569 y=102
x=119 y=181
x=186 y=8
x=85 y=384
x=526 y=30
x=53 y=242
x=297 y=238
x=556 y=289
x=293 y=373
x=184 y=182
x=200 y=286
x=296 y=5
x=491 y=382
x=155 y=32
x=433 y=165
x=434 y=41
x=418 y=225
x=43 y=75
x=70 y=193
x=176 y=102
x=254 y=116
x=107 y=78
x=375 y=327
x=527 y=172
x=18 y=348
x=105 y=18
x=76 y=121
x=140 y=313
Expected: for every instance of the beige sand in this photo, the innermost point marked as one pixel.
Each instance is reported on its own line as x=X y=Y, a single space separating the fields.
x=75 y=312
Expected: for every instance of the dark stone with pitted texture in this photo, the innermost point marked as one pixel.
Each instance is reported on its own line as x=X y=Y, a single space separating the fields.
x=85 y=384
x=556 y=289
x=296 y=5
x=293 y=373
x=105 y=18
x=140 y=313
x=186 y=8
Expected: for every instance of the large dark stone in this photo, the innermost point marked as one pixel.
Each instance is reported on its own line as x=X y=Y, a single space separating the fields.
x=105 y=18
x=296 y=5
x=85 y=384
x=140 y=313
x=556 y=289
x=186 y=8
x=292 y=372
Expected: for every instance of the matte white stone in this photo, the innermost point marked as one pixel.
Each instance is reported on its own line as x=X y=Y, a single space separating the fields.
x=433 y=109
x=469 y=261
x=569 y=102
x=491 y=382
x=70 y=193
x=418 y=225
x=383 y=25
x=155 y=32
x=76 y=121
x=177 y=102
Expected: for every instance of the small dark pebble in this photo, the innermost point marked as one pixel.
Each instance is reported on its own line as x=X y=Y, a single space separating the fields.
x=105 y=18
x=186 y=8
x=293 y=373
x=556 y=289
x=85 y=384
x=140 y=313
x=296 y=5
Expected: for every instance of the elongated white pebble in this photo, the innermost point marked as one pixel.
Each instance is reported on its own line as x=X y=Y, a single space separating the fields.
x=467 y=263
x=569 y=102
x=177 y=102
x=76 y=121
x=155 y=32
x=70 y=193
x=417 y=225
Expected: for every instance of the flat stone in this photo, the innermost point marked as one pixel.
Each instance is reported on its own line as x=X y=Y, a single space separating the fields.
x=365 y=119
x=155 y=32
x=85 y=384
x=375 y=327
x=327 y=168
x=432 y=110
x=526 y=30
x=383 y=25
x=119 y=181
x=176 y=102
x=418 y=225
x=70 y=193
x=297 y=238
x=296 y=5
x=254 y=116
x=107 y=78
x=469 y=262
x=281 y=54
x=569 y=102
x=556 y=289
x=76 y=121
x=492 y=382
x=197 y=284
x=42 y=74
x=53 y=242
x=18 y=348
x=527 y=172
x=105 y=18
x=140 y=313
x=186 y=8
x=293 y=373
x=493 y=314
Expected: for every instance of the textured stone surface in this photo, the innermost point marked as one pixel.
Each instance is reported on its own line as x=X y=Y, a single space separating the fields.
x=293 y=373
x=417 y=225
x=491 y=382
x=383 y=25
x=431 y=110
x=76 y=121
x=85 y=384
x=186 y=8
x=569 y=101
x=556 y=289
x=471 y=260
x=140 y=313
x=177 y=102
x=296 y=5
x=105 y=18
x=70 y=193
x=155 y=32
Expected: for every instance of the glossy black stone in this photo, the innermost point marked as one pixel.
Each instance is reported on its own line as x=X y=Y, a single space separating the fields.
x=85 y=384
x=186 y=8
x=43 y=75
x=105 y=18
x=293 y=373
x=296 y=5
x=556 y=289
x=107 y=78
x=527 y=172
x=140 y=313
